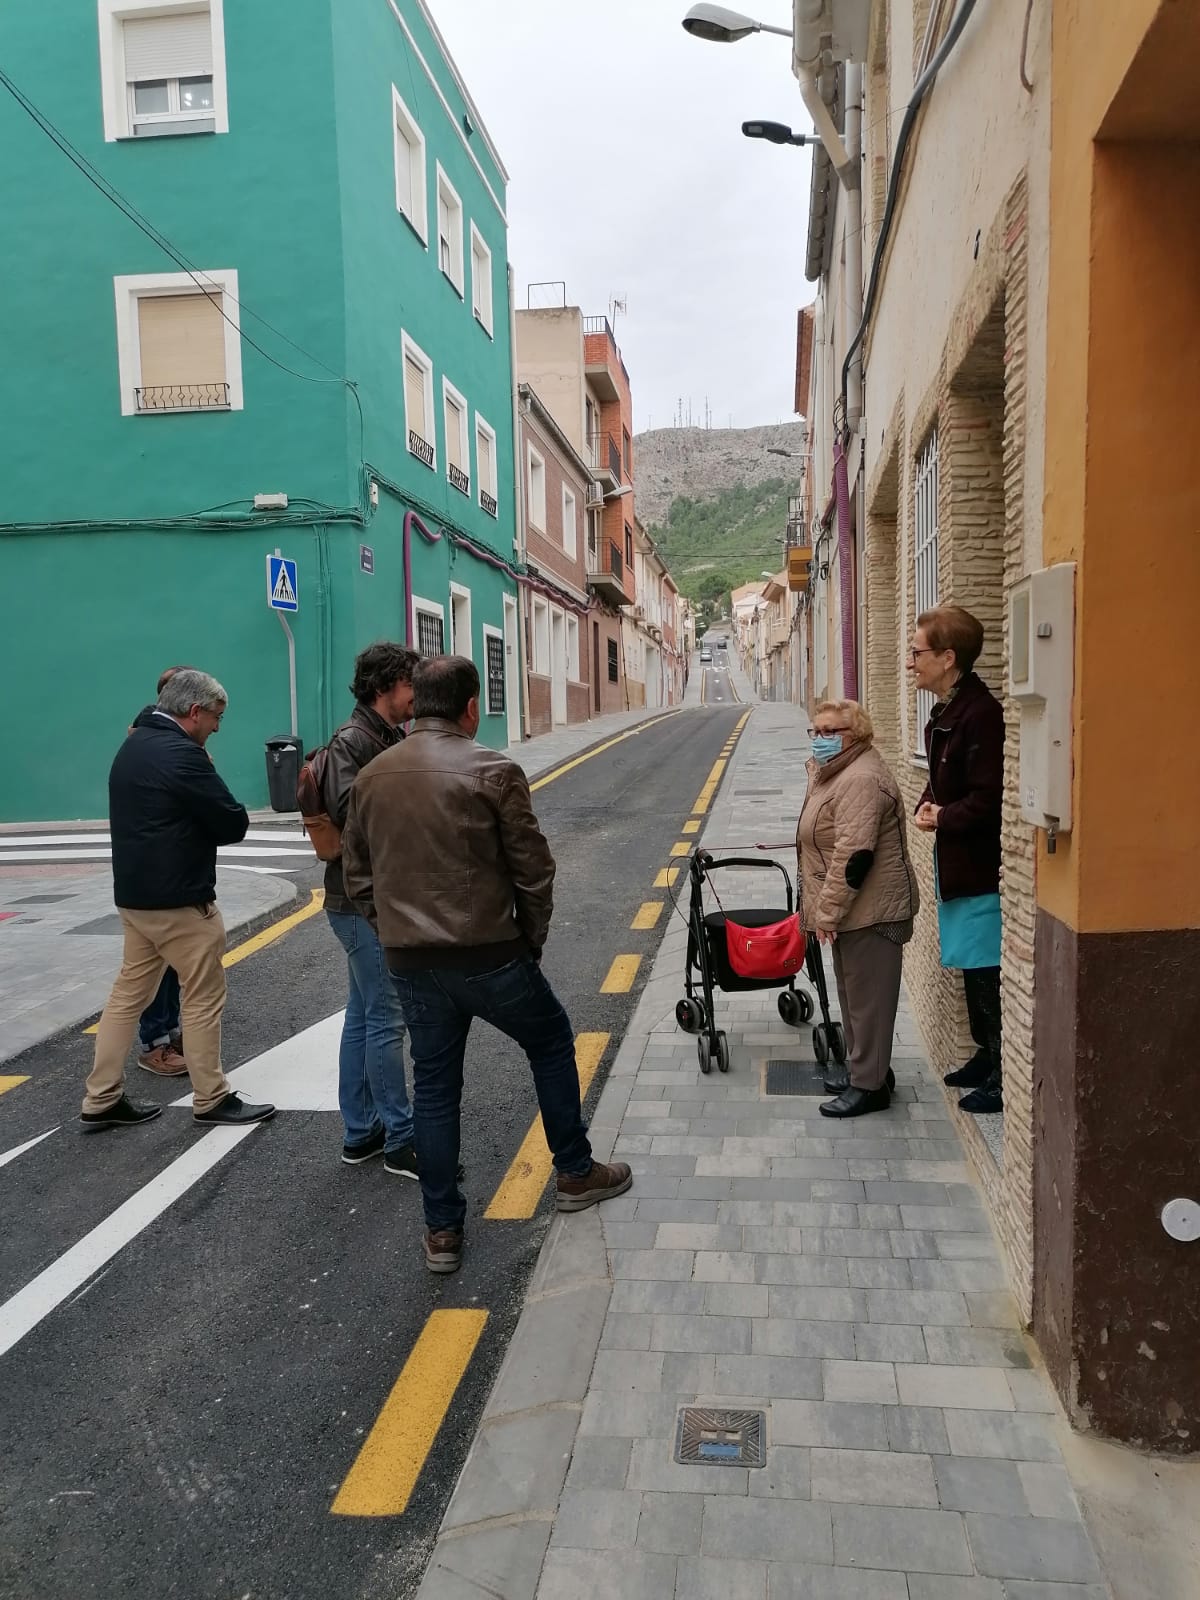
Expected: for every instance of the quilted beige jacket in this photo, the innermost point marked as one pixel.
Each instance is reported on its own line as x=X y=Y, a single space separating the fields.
x=852 y=845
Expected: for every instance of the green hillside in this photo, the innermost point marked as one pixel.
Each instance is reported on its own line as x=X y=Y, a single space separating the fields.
x=715 y=544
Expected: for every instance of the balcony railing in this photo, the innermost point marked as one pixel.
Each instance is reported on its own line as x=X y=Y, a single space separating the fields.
x=598 y=325
x=606 y=572
x=183 y=397
x=604 y=454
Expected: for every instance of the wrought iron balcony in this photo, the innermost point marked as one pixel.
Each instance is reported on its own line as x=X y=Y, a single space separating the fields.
x=607 y=572
x=604 y=458
x=183 y=397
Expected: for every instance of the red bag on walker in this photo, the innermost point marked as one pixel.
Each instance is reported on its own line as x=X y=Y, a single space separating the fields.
x=776 y=951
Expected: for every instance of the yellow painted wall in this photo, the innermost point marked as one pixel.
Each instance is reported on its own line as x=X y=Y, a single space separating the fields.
x=1122 y=472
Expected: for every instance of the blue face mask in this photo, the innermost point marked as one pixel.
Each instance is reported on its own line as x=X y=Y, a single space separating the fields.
x=825 y=746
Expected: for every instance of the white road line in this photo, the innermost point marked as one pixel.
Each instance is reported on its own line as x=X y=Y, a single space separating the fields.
x=11 y=1155
x=99 y=836
x=301 y=1074
x=32 y=1304
x=105 y=852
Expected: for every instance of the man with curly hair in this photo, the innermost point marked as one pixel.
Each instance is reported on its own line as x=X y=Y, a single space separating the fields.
x=372 y=1092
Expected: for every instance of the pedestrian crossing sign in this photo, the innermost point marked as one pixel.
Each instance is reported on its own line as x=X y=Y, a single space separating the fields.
x=282 y=591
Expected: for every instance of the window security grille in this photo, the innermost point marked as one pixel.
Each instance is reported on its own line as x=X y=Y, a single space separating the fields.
x=495 y=675
x=613 y=668
x=431 y=634
x=925 y=561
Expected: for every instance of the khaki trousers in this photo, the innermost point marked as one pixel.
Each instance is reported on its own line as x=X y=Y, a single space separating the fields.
x=192 y=940
x=868 y=968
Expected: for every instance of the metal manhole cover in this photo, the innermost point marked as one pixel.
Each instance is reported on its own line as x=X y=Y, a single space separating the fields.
x=708 y=1438
x=793 y=1078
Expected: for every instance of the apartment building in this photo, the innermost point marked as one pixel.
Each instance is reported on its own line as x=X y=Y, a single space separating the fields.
x=1022 y=313
x=301 y=344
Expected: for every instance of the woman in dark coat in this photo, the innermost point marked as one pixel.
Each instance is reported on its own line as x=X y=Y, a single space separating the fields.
x=961 y=806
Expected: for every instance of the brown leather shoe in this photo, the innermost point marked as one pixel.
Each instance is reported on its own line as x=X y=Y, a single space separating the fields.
x=601 y=1183
x=164 y=1061
x=443 y=1249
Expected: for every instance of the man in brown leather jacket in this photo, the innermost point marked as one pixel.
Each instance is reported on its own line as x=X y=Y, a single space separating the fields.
x=442 y=841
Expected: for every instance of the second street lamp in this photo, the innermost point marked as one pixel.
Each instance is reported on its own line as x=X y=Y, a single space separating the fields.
x=775 y=132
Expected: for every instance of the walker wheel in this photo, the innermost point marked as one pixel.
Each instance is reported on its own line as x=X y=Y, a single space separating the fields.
x=722 y=1053
x=689 y=1014
x=837 y=1041
x=820 y=1045
x=704 y=1053
x=790 y=1008
x=807 y=1006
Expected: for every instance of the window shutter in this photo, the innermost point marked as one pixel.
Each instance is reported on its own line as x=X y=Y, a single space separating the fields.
x=483 y=447
x=178 y=46
x=454 y=451
x=414 y=394
x=404 y=166
x=182 y=338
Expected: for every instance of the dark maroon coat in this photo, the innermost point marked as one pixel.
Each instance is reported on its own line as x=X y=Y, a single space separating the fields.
x=964 y=741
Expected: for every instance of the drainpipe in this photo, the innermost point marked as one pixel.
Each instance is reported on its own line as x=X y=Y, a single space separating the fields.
x=852 y=274
x=806 y=64
x=518 y=504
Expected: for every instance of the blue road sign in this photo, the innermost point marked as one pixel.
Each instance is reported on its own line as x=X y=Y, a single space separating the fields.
x=283 y=593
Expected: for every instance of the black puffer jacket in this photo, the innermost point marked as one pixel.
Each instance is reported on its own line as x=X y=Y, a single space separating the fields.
x=168 y=811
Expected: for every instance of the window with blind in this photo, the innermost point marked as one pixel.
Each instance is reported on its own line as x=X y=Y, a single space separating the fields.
x=925 y=562
x=485 y=466
x=411 y=199
x=537 y=491
x=481 y=280
x=570 y=522
x=181 y=343
x=450 y=230
x=418 y=402
x=169 y=73
x=458 y=460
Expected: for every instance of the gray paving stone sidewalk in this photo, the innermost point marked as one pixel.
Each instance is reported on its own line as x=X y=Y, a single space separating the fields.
x=60 y=943
x=841 y=1278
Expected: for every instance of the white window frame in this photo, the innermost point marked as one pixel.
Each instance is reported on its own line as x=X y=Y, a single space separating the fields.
x=536 y=457
x=449 y=392
x=460 y=592
x=489 y=632
x=570 y=527
x=574 y=668
x=115 y=99
x=541 y=664
x=925 y=562
x=128 y=289
x=457 y=274
x=431 y=609
x=409 y=347
x=482 y=488
x=406 y=133
x=482 y=306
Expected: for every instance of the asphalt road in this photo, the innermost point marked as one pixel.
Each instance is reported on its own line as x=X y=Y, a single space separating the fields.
x=180 y=1425
x=717 y=691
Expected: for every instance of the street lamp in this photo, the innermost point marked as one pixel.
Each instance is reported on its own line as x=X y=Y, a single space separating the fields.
x=775 y=132
x=723 y=26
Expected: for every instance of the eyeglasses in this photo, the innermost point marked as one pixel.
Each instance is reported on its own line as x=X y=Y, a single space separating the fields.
x=928 y=651
x=824 y=733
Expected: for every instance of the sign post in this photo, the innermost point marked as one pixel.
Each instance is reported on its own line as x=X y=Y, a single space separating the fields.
x=283 y=595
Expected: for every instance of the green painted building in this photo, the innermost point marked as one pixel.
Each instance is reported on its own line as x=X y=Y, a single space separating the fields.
x=271 y=261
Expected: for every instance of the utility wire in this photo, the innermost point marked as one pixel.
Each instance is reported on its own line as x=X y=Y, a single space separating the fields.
x=126 y=207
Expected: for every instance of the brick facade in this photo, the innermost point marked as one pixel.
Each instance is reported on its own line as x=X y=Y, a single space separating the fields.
x=977 y=404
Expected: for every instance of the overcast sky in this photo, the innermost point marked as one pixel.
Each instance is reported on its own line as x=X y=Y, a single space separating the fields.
x=629 y=175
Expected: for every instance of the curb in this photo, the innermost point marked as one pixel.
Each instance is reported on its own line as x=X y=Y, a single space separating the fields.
x=496 y=1530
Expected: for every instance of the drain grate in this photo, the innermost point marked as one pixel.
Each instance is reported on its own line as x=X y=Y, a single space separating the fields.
x=794 y=1078
x=709 y=1438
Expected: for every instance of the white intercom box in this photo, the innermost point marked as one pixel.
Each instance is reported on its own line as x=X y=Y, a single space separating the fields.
x=1041 y=679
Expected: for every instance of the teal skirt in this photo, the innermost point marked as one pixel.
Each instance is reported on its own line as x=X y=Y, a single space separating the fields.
x=969 y=929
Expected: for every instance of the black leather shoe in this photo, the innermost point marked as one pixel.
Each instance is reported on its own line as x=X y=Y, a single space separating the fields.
x=836 y=1085
x=972 y=1076
x=854 y=1102
x=233 y=1111
x=988 y=1098
x=126 y=1113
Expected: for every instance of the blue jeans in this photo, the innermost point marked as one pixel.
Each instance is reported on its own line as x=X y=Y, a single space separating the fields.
x=516 y=999
x=372 y=1092
x=159 y=1023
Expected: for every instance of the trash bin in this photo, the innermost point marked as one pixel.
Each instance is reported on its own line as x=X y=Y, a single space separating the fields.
x=283 y=770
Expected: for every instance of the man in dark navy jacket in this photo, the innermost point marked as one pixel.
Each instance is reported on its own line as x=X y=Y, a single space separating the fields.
x=168 y=812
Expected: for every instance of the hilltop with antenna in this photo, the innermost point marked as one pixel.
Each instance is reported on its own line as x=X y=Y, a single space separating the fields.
x=703 y=462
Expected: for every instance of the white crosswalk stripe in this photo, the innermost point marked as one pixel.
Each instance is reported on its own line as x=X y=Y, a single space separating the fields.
x=288 y=850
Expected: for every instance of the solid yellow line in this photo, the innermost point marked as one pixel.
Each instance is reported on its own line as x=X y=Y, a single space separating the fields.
x=680 y=847
x=386 y=1470
x=260 y=941
x=666 y=878
x=521 y=1187
x=7 y=1083
x=621 y=975
x=648 y=914
x=588 y=755
x=693 y=826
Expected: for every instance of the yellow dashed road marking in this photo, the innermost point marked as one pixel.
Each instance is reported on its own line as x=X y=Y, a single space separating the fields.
x=621 y=975
x=648 y=915
x=521 y=1187
x=7 y=1083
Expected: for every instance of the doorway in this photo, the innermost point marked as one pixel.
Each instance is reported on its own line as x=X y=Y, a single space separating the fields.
x=512 y=691
x=596 y=666
x=558 y=667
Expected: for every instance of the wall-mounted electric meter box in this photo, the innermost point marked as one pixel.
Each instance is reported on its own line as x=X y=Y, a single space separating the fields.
x=1041 y=679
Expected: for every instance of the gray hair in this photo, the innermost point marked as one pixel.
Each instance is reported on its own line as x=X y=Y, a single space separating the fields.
x=190 y=687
